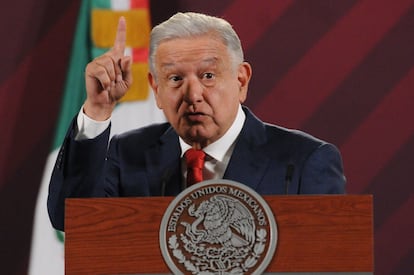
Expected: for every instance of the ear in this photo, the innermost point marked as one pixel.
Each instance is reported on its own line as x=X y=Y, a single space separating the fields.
x=243 y=76
x=154 y=85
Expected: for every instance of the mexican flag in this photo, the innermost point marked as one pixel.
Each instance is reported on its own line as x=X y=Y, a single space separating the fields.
x=94 y=35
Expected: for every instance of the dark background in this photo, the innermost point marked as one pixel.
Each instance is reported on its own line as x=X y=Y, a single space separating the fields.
x=341 y=70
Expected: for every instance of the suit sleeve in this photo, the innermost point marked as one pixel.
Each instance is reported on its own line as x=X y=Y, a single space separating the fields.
x=78 y=172
x=323 y=172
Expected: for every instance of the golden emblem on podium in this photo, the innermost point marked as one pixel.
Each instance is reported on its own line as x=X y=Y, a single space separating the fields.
x=218 y=227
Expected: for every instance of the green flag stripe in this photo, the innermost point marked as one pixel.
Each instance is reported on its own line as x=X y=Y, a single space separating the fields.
x=98 y=51
x=101 y=4
x=74 y=90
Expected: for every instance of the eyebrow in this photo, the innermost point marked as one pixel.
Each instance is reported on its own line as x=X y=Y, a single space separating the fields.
x=210 y=60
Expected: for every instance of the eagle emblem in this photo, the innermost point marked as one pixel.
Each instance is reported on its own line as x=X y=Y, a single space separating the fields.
x=218 y=229
x=221 y=220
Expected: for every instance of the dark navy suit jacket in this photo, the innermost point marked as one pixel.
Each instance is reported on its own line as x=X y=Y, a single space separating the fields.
x=146 y=162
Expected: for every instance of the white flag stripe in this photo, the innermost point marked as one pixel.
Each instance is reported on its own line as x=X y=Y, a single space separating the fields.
x=128 y=51
x=120 y=5
x=135 y=114
x=47 y=252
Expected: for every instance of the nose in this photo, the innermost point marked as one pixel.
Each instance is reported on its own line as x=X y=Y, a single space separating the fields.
x=193 y=91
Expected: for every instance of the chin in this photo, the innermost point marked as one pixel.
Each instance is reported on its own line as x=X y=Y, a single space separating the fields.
x=197 y=138
x=198 y=134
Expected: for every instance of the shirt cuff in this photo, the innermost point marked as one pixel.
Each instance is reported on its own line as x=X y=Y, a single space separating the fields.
x=89 y=128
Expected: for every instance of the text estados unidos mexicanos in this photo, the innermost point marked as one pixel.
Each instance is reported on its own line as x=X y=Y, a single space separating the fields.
x=187 y=201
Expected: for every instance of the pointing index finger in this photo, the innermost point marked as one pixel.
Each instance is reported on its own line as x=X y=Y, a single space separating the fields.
x=120 y=39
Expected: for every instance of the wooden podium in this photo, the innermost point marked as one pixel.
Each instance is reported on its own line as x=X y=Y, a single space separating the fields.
x=328 y=233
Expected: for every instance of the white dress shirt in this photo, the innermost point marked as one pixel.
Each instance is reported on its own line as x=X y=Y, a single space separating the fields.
x=89 y=128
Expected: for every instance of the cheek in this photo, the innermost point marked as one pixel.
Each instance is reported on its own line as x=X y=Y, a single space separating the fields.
x=228 y=98
x=228 y=105
x=171 y=103
x=165 y=98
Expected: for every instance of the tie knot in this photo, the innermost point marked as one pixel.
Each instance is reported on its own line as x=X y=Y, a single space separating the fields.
x=195 y=163
x=195 y=158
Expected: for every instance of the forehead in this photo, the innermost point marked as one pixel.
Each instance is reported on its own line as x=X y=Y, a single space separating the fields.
x=205 y=49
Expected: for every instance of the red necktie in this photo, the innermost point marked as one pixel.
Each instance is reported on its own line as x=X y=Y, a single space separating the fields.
x=195 y=164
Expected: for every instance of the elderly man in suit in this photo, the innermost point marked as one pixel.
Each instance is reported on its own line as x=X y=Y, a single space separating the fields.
x=200 y=81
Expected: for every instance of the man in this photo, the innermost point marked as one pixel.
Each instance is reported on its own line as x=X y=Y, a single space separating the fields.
x=200 y=80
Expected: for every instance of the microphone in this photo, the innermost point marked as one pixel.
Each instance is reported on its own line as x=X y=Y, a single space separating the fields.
x=164 y=179
x=290 y=168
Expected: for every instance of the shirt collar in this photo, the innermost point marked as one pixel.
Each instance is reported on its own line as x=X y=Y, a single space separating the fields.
x=218 y=149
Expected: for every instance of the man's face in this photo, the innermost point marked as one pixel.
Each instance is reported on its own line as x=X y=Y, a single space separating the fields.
x=198 y=87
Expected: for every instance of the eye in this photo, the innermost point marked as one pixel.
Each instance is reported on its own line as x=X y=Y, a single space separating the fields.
x=176 y=78
x=175 y=81
x=208 y=75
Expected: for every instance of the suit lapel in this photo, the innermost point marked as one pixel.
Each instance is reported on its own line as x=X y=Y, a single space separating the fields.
x=248 y=163
x=164 y=165
x=246 y=166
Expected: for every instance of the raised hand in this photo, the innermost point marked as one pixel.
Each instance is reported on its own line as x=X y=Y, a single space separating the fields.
x=108 y=77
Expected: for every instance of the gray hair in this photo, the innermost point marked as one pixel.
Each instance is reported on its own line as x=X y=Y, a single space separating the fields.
x=189 y=24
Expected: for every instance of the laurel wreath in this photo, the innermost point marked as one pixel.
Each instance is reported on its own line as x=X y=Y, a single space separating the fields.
x=251 y=261
x=257 y=250
x=177 y=253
